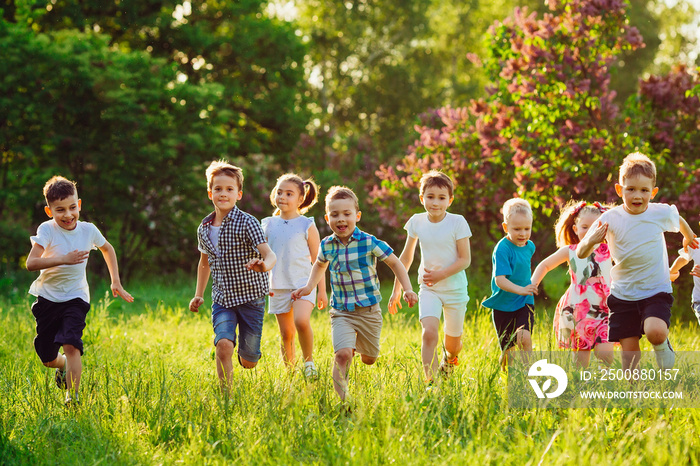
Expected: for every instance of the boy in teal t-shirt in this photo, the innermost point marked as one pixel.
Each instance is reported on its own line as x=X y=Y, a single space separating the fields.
x=512 y=301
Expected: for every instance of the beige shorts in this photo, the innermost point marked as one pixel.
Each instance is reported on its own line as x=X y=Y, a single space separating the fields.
x=451 y=304
x=359 y=329
x=281 y=301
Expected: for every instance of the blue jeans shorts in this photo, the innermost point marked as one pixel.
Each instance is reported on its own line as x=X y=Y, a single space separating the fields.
x=249 y=319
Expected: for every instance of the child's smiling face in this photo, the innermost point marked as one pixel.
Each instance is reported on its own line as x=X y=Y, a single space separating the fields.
x=65 y=212
x=342 y=216
x=225 y=192
x=436 y=200
x=636 y=192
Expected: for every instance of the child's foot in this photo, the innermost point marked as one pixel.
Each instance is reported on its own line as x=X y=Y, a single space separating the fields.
x=60 y=378
x=447 y=366
x=310 y=371
x=429 y=385
x=665 y=356
x=71 y=401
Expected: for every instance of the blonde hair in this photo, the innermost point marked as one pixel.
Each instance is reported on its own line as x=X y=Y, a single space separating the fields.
x=435 y=178
x=564 y=228
x=341 y=192
x=58 y=188
x=222 y=167
x=636 y=164
x=308 y=189
x=516 y=206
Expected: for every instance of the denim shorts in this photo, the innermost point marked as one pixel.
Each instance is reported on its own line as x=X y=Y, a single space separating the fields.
x=58 y=324
x=249 y=319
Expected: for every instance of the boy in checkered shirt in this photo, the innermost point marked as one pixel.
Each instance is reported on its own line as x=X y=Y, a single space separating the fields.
x=235 y=253
x=356 y=318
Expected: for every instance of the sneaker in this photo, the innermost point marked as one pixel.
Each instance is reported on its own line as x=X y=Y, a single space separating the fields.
x=61 y=378
x=72 y=402
x=429 y=385
x=310 y=371
x=447 y=366
x=665 y=356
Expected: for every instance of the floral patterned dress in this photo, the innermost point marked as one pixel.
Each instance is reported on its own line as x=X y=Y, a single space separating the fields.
x=582 y=316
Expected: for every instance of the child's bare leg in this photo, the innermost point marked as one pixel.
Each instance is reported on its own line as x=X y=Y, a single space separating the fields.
x=302 y=322
x=287 y=330
x=224 y=362
x=506 y=356
x=340 y=371
x=523 y=340
x=583 y=357
x=630 y=352
x=74 y=368
x=369 y=360
x=58 y=363
x=656 y=330
x=453 y=345
x=605 y=352
x=429 y=345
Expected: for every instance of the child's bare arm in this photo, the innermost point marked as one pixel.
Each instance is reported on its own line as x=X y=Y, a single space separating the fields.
x=110 y=257
x=506 y=285
x=406 y=259
x=36 y=262
x=266 y=263
x=695 y=271
x=203 y=272
x=676 y=267
x=402 y=276
x=689 y=239
x=314 y=242
x=550 y=263
x=591 y=240
x=464 y=260
x=317 y=272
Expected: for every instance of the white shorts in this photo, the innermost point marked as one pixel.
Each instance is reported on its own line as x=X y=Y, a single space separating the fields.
x=281 y=301
x=452 y=303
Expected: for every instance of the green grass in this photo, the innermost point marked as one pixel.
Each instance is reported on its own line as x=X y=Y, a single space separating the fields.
x=149 y=396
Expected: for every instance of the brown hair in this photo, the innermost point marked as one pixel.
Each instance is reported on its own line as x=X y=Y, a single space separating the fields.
x=636 y=164
x=341 y=192
x=58 y=188
x=435 y=178
x=308 y=189
x=222 y=167
x=564 y=228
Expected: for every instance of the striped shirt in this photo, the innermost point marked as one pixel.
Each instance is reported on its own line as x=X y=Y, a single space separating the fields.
x=239 y=236
x=353 y=269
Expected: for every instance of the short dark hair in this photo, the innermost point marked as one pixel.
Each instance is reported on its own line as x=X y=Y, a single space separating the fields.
x=222 y=167
x=58 y=188
x=438 y=179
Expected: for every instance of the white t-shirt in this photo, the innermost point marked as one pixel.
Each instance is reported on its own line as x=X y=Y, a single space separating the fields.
x=288 y=239
x=438 y=247
x=638 y=250
x=65 y=282
x=693 y=255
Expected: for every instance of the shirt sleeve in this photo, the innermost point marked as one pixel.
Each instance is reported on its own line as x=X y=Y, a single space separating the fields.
x=672 y=219
x=502 y=261
x=410 y=227
x=42 y=237
x=255 y=232
x=97 y=239
x=381 y=249
x=462 y=229
x=311 y=222
x=265 y=223
x=321 y=256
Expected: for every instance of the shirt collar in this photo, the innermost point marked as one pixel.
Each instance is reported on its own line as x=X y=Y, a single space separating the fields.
x=210 y=218
x=356 y=235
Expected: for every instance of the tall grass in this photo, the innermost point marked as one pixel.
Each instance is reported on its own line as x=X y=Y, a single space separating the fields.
x=150 y=396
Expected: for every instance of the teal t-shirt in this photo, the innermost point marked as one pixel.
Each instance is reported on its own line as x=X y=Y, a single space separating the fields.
x=515 y=263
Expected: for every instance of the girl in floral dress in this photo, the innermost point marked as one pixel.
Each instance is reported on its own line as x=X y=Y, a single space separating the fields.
x=581 y=316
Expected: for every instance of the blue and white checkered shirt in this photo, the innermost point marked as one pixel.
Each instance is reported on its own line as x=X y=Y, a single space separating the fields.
x=239 y=236
x=353 y=268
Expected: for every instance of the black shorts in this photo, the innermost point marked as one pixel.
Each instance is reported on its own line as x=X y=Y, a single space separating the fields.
x=507 y=323
x=627 y=317
x=58 y=324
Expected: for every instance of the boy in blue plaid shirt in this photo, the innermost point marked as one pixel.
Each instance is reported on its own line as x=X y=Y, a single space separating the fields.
x=356 y=318
x=235 y=253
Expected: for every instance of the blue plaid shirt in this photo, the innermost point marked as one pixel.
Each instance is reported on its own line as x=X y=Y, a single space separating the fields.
x=353 y=267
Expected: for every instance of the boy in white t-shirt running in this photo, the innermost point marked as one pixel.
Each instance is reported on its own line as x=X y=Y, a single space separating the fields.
x=445 y=253
x=640 y=290
x=60 y=251
x=685 y=256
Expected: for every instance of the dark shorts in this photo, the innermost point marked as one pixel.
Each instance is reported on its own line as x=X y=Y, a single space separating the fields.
x=627 y=317
x=507 y=323
x=248 y=317
x=58 y=324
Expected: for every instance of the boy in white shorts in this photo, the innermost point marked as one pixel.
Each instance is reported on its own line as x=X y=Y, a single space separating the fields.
x=445 y=253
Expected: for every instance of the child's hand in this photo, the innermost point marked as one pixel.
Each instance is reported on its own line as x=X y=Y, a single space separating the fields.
x=75 y=257
x=431 y=277
x=696 y=271
x=529 y=290
x=118 y=290
x=674 y=275
x=195 y=303
x=296 y=294
x=257 y=265
x=395 y=302
x=411 y=298
x=322 y=300
x=599 y=232
x=690 y=244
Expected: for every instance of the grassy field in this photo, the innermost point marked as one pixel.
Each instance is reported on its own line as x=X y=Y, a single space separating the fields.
x=149 y=396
